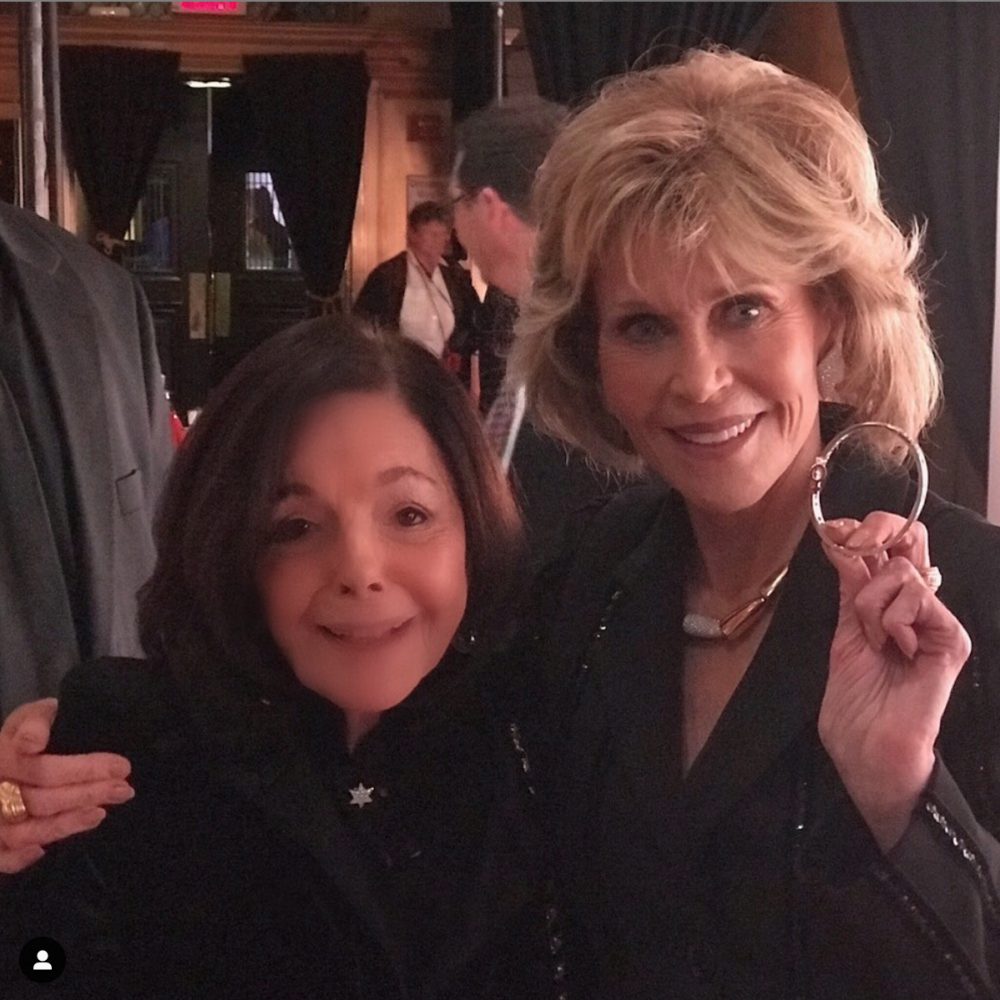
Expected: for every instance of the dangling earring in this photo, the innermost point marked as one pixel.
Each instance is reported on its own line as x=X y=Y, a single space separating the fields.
x=829 y=373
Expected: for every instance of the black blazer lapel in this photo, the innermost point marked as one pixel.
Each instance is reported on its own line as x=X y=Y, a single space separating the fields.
x=778 y=698
x=257 y=754
x=628 y=723
x=297 y=803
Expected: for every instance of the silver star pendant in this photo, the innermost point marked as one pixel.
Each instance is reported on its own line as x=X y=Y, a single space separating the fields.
x=361 y=796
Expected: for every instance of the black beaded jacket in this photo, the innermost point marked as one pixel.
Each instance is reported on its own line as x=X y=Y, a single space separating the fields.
x=753 y=877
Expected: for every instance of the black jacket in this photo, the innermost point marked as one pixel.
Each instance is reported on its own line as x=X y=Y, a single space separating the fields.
x=381 y=297
x=753 y=877
x=242 y=870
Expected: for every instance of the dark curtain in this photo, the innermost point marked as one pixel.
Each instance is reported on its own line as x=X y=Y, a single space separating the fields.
x=473 y=68
x=115 y=104
x=311 y=110
x=928 y=83
x=575 y=45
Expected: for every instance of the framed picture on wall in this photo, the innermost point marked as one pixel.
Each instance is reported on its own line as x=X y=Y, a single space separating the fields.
x=420 y=188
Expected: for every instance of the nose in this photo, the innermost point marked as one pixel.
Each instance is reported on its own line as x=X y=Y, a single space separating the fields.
x=358 y=564
x=701 y=367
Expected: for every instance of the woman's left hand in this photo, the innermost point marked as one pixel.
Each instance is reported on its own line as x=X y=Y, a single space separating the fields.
x=896 y=654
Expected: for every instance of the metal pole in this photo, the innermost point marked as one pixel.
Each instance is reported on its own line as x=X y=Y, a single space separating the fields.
x=36 y=120
x=498 y=51
x=53 y=115
x=25 y=150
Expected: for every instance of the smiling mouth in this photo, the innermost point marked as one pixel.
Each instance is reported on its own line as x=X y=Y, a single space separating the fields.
x=693 y=434
x=365 y=635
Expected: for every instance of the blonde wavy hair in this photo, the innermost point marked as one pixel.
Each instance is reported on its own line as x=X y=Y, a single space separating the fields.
x=755 y=169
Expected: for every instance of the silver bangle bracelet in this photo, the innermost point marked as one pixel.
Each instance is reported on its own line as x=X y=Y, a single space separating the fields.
x=819 y=474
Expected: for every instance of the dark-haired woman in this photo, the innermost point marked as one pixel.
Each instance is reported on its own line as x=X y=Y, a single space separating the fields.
x=325 y=805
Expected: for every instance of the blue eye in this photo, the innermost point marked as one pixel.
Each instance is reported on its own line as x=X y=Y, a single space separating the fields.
x=744 y=311
x=641 y=329
x=410 y=517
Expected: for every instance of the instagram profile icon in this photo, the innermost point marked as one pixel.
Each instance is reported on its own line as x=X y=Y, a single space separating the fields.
x=42 y=960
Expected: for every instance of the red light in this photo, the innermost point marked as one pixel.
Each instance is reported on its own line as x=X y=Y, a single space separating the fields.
x=210 y=8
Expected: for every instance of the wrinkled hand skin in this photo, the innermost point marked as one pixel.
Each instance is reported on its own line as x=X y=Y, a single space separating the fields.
x=895 y=657
x=64 y=795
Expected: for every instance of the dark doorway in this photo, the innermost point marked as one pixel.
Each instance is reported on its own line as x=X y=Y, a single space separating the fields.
x=209 y=245
x=8 y=161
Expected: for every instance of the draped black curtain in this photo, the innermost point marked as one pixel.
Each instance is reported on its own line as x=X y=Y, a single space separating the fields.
x=115 y=104
x=575 y=45
x=928 y=82
x=311 y=111
x=473 y=69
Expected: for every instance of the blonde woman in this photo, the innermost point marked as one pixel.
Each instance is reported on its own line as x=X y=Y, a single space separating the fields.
x=806 y=806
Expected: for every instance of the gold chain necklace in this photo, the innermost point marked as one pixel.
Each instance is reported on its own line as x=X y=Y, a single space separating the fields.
x=738 y=621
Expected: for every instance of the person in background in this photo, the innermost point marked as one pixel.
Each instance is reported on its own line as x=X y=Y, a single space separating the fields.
x=84 y=448
x=416 y=292
x=499 y=150
x=269 y=247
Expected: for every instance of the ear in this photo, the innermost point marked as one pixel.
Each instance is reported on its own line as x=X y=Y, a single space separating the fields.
x=492 y=202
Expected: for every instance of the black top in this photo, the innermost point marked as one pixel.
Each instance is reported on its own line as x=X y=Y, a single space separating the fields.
x=495 y=321
x=381 y=297
x=753 y=877
x=241 y=869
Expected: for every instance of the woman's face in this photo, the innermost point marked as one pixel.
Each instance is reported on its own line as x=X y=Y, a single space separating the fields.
x=363 y=581
x=715 y=386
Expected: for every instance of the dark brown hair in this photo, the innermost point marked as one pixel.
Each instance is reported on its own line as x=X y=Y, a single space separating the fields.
x=200 y=610
x=428 y=211
x=503 y=145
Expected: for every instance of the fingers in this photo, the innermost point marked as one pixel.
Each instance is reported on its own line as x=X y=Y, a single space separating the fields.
x=35 y=833
x=64 y=795
x=12 y=862
x=28 y=727
x=876 y=531
x=852 y=572
x=898 y=604
x=42 y=802
x=54 y=770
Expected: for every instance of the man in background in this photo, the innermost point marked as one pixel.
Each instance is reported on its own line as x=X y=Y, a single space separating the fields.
x=417 y=292
x=84 y=449
x=498 y=152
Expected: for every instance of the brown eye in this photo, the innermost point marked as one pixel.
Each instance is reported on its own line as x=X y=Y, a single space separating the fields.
x=410 y=517
x=291 y=529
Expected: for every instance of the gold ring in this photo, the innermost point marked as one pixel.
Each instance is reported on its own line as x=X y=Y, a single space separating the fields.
x=932 y=577
x=820 y=471
x=12 y=807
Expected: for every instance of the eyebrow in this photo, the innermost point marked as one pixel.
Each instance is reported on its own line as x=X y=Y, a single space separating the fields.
x=397 y=472
x=385 y=478
x=720 y=294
